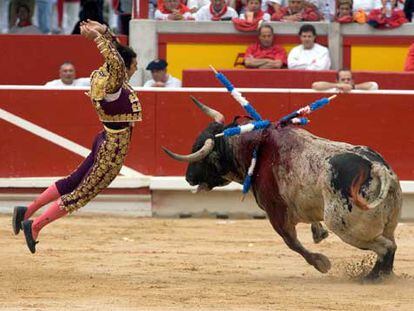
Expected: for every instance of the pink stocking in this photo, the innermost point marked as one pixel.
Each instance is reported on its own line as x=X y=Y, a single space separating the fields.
x=49 y=195
x=52 y=213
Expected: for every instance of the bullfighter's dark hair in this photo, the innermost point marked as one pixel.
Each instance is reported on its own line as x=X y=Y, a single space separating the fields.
x=126 y=53
x=307 y=28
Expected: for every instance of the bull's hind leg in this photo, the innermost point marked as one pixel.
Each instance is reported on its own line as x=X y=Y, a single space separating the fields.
x=385 y=250
x=319 y=233
x=288 y=232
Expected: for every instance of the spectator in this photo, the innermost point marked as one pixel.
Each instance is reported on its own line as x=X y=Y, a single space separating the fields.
x=344 y=12
x=195 y=5
x=326 y=8
x=90 y=10
x=215 y=11
x=12 y=10
x=24 y=22
x=296 y=11
x=254 y=12
x=44 y=15
x=409 y=62
x=70 y=12
x=173 y=10
x=251 y=19
x=366 y=5
x=344 y=83
x=389 y=16
x=160 y=77
x=124 y=10
x=265 y=54
x=67 y=75
x=309 y=55
x=408 y=9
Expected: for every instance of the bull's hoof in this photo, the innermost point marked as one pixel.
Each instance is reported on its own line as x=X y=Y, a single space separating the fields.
x=319 y=233
x=321 y=262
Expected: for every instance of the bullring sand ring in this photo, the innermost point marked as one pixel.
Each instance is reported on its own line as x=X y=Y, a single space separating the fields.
x=114 y=263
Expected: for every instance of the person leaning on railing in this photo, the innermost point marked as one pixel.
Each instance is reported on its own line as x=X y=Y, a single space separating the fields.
x=344 y=83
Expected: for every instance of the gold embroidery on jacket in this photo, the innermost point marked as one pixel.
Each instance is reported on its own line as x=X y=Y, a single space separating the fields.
x=110 y=77
x=108 y=162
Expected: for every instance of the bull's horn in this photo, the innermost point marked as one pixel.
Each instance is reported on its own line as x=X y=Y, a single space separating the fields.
x=193 y=157
x=217 y=116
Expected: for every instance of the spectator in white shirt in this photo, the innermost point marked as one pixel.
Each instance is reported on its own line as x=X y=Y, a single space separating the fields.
x=24 y=24
x=173 y=10
x=67 y=77
x=344 y=83
x=160 y=77
x=309 y=55
x=217 y=10
x=195 y=5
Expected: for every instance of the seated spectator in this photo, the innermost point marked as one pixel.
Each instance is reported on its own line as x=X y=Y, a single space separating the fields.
x=408 y=9
x=366 y=5
x=409 y=61
x=173 y=10
x=344 y=12
x=160 y=77
x=254 y=12
x=309 y=55
x=389 y=16
x=344 y=83
x=195 y=5
x=24 y=22
x=252 y=18
x=296 y=11
x=67 y=75
x=326 y=8
x=265 y=54
x=217 y=10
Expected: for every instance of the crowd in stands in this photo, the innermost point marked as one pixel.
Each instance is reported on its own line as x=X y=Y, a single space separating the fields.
x=63 y=16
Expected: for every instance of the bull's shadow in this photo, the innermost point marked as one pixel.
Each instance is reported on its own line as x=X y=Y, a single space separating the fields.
x=300 y=177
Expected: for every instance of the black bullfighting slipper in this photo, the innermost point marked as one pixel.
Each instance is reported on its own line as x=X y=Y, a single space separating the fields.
x=27 y=229
x=18 y=217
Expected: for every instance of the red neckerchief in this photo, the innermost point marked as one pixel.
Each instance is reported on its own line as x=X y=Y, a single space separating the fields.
x=217 y=16
x=181 y=8
x=24 y=24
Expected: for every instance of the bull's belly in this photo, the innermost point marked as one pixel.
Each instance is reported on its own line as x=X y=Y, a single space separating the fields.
x=307 y=209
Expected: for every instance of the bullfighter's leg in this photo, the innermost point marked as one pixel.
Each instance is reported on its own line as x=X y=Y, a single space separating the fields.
x=319 y=233
x=287 y=231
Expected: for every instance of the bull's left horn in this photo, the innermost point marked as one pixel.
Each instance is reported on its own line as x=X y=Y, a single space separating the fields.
x=217 y=116
x=193 y=157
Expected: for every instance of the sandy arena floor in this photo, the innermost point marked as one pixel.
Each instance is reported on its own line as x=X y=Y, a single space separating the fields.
x=108 y=263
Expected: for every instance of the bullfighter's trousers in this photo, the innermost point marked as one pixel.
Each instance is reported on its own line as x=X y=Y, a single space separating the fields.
x=97 y=171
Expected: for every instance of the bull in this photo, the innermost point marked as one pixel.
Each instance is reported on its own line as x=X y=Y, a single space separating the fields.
x=302 y=178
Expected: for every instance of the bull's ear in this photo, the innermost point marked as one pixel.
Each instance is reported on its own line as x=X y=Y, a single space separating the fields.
x=217 y=116
x=193 y=157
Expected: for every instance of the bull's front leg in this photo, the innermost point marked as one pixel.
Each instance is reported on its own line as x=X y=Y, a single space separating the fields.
x=319 y=233
x=287 y=230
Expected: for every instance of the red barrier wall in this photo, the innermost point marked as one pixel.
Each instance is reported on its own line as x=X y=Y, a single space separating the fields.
x=35 y=59
x=383 y=122
x=285 y=78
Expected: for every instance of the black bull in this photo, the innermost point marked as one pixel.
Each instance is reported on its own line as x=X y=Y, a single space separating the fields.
x=300 y=177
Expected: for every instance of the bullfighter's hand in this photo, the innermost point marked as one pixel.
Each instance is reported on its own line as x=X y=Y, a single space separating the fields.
x=97 y=26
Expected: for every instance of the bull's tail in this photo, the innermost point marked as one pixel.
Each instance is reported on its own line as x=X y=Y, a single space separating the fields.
x=383 y=175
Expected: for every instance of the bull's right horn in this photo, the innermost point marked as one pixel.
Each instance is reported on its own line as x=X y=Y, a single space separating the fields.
x=193 y=157
x=217 y=116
